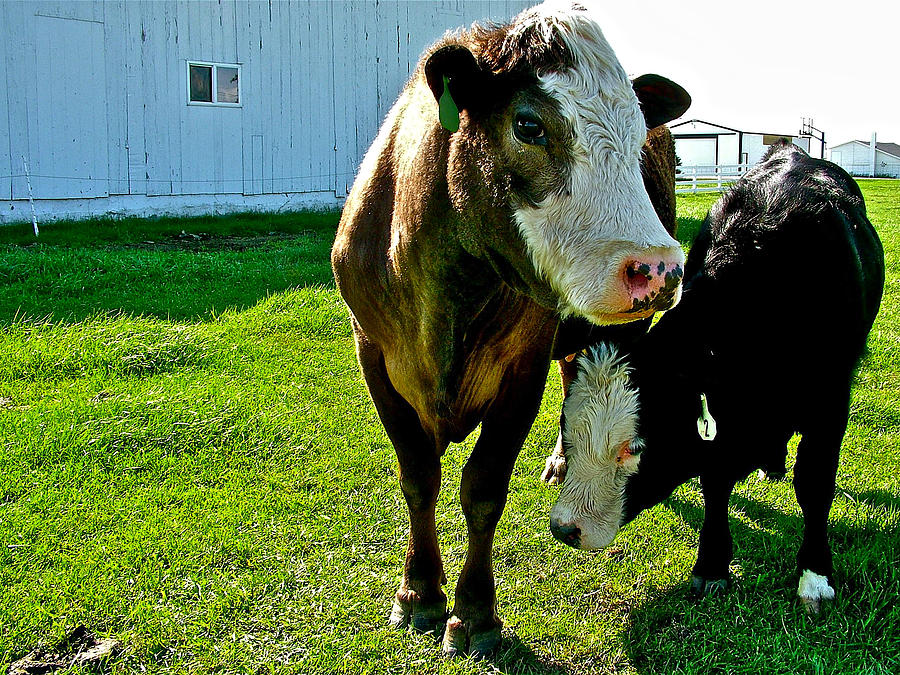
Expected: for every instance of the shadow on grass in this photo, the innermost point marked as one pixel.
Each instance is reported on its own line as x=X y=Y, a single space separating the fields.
x=515 y=656
x=759 y=617
x=175 y=269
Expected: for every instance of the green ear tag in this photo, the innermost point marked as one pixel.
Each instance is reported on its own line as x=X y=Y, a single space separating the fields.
x=706 y=423
x=448 y=113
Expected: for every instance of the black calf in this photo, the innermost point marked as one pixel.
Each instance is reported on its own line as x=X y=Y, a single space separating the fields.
x=782 y=286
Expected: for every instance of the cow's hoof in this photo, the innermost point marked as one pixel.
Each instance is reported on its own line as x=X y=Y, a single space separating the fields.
x=554 y=469
x=812 y=606
x=459 y=640
x=701 y=587
x=815 y=592
x=423 y=617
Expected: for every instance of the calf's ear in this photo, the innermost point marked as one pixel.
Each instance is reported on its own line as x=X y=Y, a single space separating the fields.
x=455 y=80
x=661 y=99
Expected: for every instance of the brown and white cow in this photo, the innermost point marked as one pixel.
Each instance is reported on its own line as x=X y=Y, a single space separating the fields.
x=503 y=192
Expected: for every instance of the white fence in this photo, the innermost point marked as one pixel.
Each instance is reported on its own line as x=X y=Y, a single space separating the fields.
x=882 y=170
x=707 y=178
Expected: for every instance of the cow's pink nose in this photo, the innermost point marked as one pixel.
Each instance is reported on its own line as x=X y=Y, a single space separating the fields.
x=652 y=286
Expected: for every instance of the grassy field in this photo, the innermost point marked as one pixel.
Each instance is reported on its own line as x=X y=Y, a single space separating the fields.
x=190 y=464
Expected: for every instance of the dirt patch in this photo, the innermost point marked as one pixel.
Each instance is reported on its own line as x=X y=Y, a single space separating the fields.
x=202 y=241
x=79 y=648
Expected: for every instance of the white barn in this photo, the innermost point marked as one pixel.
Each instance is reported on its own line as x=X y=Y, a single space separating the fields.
x=121 y=107
x=699 y=143
x=859 y=158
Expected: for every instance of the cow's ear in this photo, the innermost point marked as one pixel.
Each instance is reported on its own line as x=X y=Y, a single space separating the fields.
x=661 y=99
x=455 y=80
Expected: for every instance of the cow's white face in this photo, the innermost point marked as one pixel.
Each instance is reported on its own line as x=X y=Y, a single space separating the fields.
x=601 y=451
x=597 y=221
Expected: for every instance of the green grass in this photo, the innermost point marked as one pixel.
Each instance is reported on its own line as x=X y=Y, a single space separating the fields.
x=191 y=465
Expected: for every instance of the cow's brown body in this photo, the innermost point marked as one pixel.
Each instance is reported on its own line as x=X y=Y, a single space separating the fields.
x=453 y=324
x=658 y=171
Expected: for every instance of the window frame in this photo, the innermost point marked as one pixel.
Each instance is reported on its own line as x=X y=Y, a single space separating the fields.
x=215 y=89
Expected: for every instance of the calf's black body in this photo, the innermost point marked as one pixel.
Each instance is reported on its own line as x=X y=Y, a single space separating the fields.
x=791 y=249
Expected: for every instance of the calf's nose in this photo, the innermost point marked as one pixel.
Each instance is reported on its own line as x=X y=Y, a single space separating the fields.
x=568 y=534
x=652 y=285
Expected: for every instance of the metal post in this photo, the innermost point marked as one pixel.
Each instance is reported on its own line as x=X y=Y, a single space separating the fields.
x=874 y=148
x=30 y=196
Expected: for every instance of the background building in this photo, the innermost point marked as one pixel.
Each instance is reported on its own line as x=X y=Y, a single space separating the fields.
x=699 y=143
x=861 y=158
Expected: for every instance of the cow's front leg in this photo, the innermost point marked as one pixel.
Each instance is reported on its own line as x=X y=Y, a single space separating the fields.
x=715 y=549
x=555 y=466
x=419 y=601
x=474 y=625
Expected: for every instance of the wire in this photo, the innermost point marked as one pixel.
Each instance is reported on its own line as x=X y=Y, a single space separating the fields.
x=181 y=180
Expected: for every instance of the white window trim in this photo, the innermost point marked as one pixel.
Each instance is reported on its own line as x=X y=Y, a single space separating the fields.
x=215 y=104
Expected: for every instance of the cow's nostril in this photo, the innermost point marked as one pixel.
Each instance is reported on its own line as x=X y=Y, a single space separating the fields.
x=638 y=276
x=567 y=534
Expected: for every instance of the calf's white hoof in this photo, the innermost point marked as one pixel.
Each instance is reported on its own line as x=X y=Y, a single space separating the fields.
x=814 y=591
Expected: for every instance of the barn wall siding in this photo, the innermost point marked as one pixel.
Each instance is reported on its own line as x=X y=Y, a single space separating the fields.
x=102 y=114
x=6 y=164
x=115 y=52
x=67 y=141
x=19 y=64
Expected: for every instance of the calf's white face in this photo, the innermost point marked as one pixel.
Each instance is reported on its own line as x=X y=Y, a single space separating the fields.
x=586 y=235
x=601 y=449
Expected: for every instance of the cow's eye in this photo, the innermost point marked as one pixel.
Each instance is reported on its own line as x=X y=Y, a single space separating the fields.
x=529 y=130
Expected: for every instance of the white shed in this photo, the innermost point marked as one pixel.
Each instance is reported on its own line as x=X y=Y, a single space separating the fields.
x=699 y=143
x=188 y=107
x=857 y=158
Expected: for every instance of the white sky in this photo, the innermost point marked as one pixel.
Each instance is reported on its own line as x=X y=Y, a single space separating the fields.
x=761 y=65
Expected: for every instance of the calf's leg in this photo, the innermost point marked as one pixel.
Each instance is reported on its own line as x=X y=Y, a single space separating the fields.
x=419 y=602
x=773 y=465
x=814 y=482
x=715 y=549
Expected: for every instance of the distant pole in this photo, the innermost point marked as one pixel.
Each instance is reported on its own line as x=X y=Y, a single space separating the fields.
x=873 y=149
x=809 y=130
x=30 y=196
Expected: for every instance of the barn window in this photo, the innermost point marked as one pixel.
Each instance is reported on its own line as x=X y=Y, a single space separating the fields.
x=214 y=84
